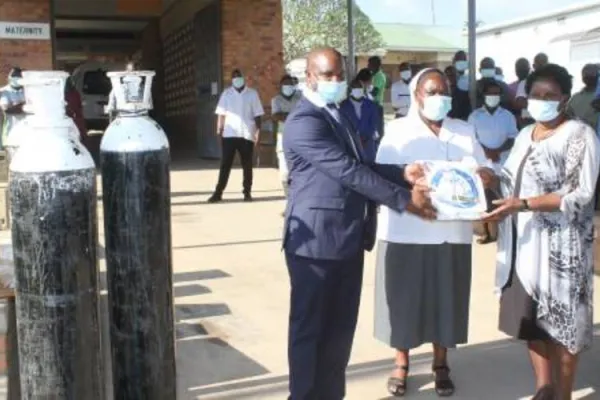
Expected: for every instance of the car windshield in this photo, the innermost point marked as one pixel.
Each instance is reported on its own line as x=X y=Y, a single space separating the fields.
x=96 y=83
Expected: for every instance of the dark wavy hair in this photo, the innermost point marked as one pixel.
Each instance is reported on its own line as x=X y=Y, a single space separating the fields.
x=554 y=73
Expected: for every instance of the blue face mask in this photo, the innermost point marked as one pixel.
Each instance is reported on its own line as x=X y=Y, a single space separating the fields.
x=332 y=92
x=543 y=110
x=461 y=65
x=488 y=73
x=238 y=82
x=436 y=107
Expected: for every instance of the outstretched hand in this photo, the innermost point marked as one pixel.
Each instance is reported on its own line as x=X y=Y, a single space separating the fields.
x=505 y=208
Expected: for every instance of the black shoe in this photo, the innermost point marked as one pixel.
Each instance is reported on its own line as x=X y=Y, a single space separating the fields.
x=215 y=198
x=247 y=197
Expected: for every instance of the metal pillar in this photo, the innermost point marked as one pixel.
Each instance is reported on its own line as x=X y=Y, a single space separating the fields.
x=472 y=30
x=351 y=59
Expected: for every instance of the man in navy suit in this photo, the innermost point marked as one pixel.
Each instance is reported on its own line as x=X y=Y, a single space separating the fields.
x=330 y=221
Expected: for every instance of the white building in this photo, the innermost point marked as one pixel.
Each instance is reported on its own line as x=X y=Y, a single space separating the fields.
x=569 y=36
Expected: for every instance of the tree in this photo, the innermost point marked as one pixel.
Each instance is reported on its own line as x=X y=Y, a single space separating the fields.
x=312 y=23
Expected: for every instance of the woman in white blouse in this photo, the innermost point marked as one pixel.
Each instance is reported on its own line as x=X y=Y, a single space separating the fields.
x=423 y=276
x=544 y=262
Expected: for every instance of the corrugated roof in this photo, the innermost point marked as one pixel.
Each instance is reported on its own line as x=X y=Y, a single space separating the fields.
x=409 y=37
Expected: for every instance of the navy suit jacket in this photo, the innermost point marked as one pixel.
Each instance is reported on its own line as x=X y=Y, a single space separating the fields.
x=331 y=210
x=367 y=125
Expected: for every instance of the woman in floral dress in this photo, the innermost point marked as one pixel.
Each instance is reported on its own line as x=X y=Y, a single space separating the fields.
x=544 y=262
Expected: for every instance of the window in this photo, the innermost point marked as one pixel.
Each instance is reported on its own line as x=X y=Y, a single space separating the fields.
x=96 y=83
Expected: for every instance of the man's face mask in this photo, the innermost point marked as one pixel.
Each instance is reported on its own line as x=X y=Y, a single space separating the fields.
x=14 y=82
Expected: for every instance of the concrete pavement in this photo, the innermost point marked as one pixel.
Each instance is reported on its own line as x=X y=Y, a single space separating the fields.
x=231 y=289
x=234 y=344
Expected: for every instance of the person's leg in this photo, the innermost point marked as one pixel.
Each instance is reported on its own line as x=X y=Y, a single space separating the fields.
x=343 y=291
x=443 y=384
x=397 y=382
x=228 y=153
x=541 y=361
x=307 y=307
x=565 y=365
x=246 y=149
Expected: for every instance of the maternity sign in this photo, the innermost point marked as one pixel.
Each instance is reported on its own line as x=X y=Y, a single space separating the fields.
x=456 y=190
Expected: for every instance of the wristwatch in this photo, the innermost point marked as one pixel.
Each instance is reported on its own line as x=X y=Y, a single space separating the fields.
x=524 y=205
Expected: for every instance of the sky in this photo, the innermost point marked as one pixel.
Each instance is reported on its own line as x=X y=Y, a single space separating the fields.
x=454 y=12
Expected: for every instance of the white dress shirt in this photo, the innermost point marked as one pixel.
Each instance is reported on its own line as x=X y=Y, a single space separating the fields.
x=401 y=97
x=409 y=140
x=240 y=109
x=493 y=130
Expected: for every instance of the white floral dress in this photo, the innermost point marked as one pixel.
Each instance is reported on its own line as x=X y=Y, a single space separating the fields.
x=554 y=255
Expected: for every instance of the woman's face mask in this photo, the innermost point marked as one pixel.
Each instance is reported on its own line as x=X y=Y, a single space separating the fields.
x=461 y=65
x=543 y=110
x=436 y=107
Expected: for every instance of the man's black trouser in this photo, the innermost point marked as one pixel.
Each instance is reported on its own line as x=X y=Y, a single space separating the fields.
x=245 y=148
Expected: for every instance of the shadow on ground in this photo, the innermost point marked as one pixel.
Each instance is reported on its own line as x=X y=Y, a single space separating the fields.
x=497 y=370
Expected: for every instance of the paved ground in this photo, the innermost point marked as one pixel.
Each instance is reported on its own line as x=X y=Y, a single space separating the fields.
x=232 y=302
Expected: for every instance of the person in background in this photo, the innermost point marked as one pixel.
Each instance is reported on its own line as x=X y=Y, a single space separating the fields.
x=545 y=262
x=364 y=116
x=522 y=70
x=74 y=109
x=581 y=104
x=365 y=77
x=239 y=114
x=400 y=92
x=450 y=72
x=281 y=105
x=12 y=100
x=496 y=130
x=499 y=74
x=540 y=60
x=423 y=268
x=487 y=69
x=329 y=223
x=379 y=80
x=296 y=83
x=461 y=103
x=520 y=99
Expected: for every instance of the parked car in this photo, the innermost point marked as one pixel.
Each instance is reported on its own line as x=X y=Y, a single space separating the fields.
x=94 y=86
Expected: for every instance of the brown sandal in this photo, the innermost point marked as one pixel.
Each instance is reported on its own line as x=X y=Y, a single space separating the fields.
x=397 y=386
x=444 y=387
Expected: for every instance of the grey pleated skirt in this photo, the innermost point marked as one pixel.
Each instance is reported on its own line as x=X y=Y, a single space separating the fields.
x=422 y=294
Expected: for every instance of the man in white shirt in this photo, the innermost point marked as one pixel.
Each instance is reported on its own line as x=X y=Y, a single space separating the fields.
x=495 y=129
x=12 y=99
x=401 y=91
x=281 y=105
x=239 y=117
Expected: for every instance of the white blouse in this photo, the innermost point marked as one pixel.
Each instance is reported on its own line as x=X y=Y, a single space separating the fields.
x=409 y=140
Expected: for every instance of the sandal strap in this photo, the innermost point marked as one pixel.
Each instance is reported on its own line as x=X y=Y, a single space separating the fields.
x=402 y=367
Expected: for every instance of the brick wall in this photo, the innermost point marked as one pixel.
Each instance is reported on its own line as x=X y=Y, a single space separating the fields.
x=252 y=40
x=28 y=54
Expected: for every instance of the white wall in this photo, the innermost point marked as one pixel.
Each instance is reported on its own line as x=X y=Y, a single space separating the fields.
x=505 y=46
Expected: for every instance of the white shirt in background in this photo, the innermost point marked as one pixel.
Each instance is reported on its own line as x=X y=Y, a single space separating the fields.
x=400 y=97
x=240 y=109
x=409 y=140
x=493 y=130
x=280 y=104
x=521 y=93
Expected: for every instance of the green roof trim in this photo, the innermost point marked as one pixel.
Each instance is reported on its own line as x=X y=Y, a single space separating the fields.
x=408 y=37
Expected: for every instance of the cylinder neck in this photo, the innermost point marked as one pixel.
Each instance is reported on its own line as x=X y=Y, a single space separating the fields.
x=44 y=94
x=132 y=91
